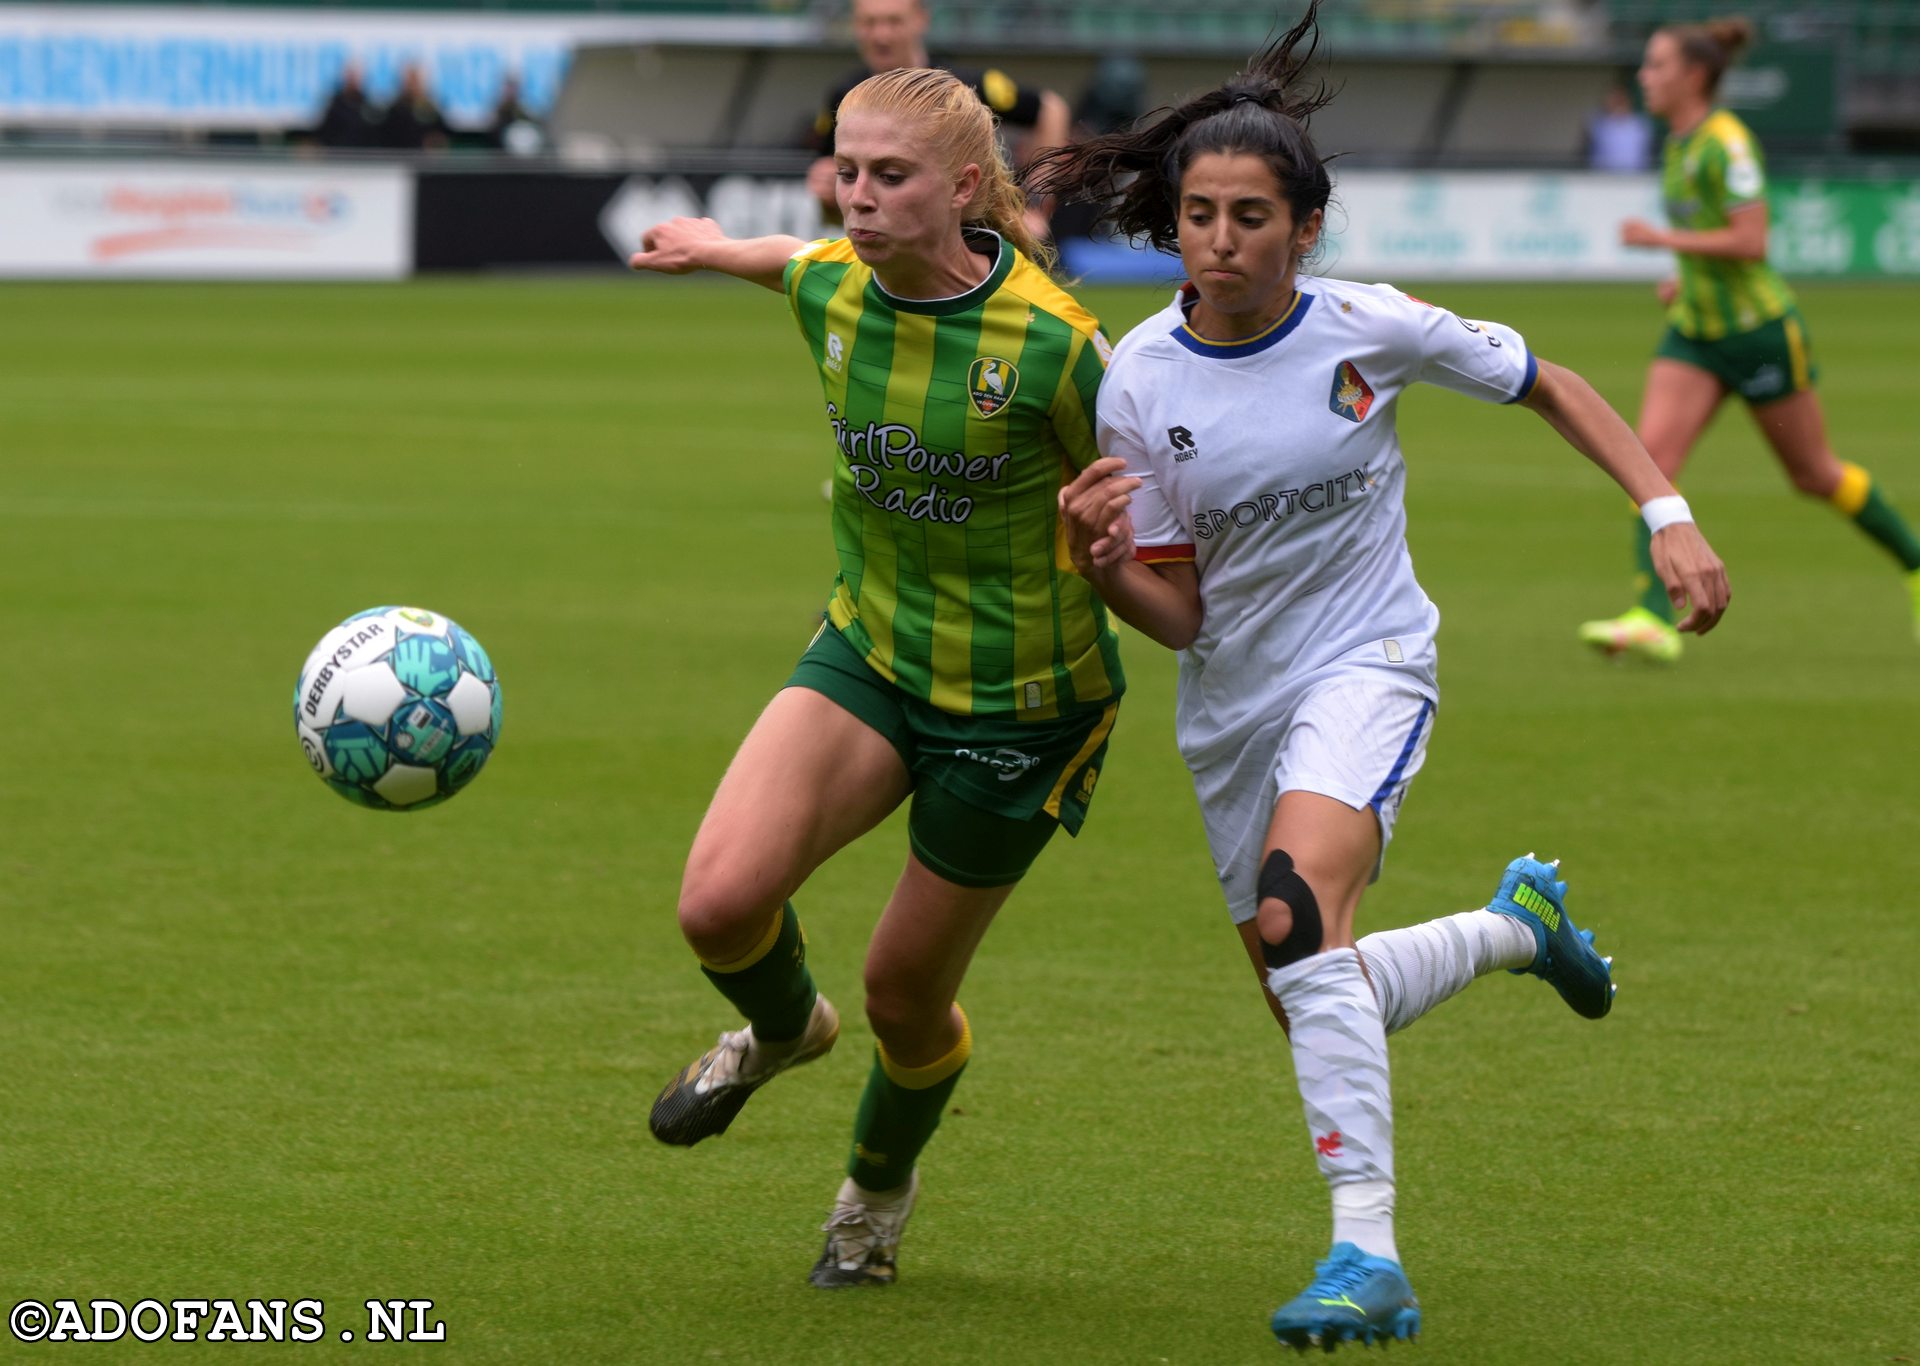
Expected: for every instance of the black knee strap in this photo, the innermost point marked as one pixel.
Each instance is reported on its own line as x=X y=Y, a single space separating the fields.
x=1279 y=881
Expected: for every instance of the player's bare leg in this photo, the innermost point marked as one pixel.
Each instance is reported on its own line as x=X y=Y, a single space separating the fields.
x=809 y=779
x=1678 y=405
x=915 y=963
x=1796 y=430
x=1249 y=932
x=1675 y=410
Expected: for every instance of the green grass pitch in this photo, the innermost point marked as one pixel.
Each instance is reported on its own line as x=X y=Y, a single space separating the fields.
x=257 y=1043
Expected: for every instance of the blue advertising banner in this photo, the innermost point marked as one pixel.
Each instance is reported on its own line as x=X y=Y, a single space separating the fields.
x=245 y=67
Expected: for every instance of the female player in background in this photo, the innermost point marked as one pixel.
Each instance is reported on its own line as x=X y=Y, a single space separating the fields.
x=960 y=664
x=1259 y=529
x=1732 y=325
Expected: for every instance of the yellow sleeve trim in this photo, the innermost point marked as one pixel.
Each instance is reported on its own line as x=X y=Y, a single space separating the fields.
x=1850 y=494
x=937 y=1071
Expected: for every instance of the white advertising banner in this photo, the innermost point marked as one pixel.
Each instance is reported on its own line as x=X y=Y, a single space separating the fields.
x=1394 y=226
x=1389 y=225
x=142 y=220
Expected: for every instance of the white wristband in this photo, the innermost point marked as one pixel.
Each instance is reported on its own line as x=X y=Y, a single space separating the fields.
x=1661 y=513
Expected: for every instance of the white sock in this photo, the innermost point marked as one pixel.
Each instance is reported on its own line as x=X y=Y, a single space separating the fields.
x=1363 y=1216
x=853 y=1193
x=1416 y=968
x=1340 y=1063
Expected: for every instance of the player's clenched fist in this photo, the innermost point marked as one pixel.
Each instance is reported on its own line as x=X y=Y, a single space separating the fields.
x=1094 y=510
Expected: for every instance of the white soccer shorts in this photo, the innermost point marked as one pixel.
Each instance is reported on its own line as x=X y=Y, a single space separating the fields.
x=1356 y=737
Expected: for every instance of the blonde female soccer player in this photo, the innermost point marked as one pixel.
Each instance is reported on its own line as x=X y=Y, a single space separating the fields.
x=960 y=666
x=1732 y=324
x=1259 y=529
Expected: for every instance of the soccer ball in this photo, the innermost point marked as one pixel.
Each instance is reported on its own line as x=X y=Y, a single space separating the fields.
x=397 y=708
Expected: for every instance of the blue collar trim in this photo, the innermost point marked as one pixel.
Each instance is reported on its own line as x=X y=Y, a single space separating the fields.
x=1282 y=327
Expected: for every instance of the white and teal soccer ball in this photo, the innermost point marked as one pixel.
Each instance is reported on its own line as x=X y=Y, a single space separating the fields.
x=397 y=708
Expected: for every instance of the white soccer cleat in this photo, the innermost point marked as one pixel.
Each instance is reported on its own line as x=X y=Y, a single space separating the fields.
x=702 y=1099
x=863 y=1237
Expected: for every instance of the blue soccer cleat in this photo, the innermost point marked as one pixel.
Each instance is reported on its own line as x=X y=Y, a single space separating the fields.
x=1353 y=1298
x=1565 y=957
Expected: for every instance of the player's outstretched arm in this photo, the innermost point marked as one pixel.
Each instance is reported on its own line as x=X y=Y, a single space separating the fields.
x=1159 y=601
x=681 y=246
x=1695 y=580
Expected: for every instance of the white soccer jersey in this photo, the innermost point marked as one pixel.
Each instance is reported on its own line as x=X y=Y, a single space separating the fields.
x=1273 y=465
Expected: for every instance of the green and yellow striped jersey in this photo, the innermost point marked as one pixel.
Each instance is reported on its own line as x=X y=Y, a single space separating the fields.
x=1710 y=173
x=957 y=422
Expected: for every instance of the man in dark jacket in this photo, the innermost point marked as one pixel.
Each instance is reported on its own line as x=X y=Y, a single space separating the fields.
x=413 y=122
x=348 y=120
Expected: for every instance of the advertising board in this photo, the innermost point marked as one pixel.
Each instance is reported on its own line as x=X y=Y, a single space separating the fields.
x=142 y=220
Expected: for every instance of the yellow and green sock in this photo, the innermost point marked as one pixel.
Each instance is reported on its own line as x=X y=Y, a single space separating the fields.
x=900 y=1110
x=770 y=985
x=1859 y=498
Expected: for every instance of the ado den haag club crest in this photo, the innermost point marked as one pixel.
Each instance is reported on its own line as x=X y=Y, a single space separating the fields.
x=991 y=384
x=1351 y=395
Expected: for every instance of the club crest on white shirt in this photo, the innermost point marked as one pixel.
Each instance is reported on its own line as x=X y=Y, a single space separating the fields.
x=1351 y=395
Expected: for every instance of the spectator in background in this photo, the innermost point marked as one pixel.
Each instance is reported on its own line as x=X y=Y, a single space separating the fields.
x=891 y=34
x=349 y=120
x=1115 y=96
x=1619 y=137
x=413 y=122
x=514 y=128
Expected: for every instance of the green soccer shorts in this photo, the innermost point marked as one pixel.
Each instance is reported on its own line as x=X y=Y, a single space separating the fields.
x=988 y=791
x=1773 y=361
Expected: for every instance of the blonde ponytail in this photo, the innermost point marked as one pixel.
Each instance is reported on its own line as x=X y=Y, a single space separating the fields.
x=955 y=120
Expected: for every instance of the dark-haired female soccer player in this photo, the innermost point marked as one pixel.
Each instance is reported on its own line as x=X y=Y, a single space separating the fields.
x=961 y=664
x=1732 y=325
x=1259 y=529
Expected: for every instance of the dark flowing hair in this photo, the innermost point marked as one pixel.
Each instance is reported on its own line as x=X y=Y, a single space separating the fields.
x=1713 y=45
x=1134 y=175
